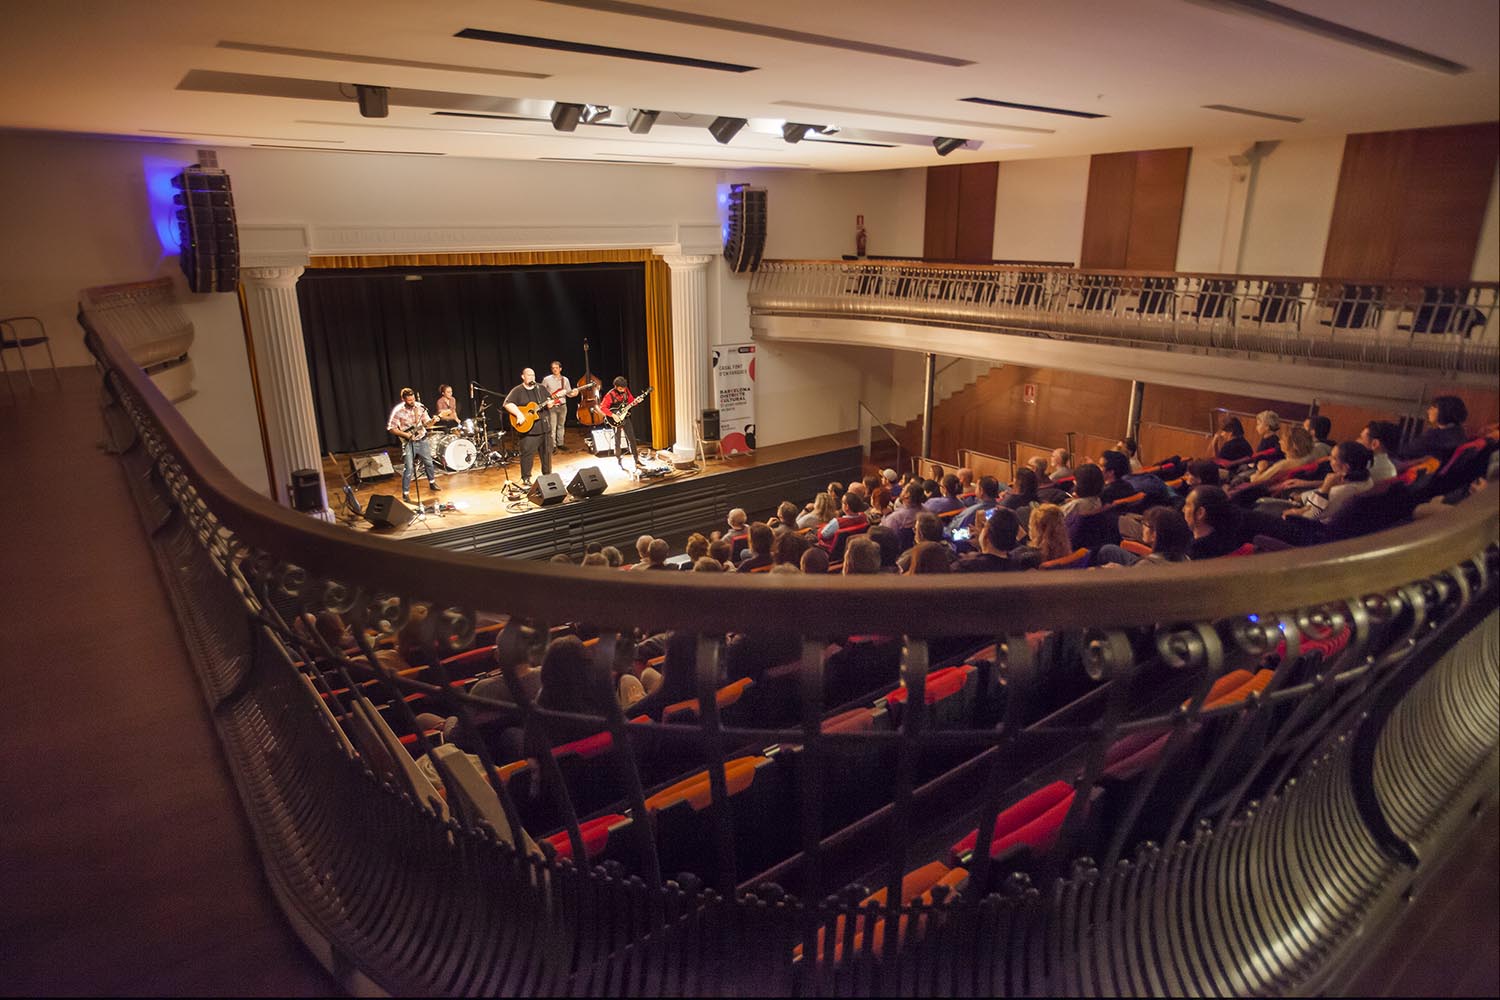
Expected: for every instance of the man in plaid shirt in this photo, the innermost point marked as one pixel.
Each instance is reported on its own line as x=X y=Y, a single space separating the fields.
x=409 y=421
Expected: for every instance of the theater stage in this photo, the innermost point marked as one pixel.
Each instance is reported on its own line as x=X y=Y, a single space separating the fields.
x=671 y=506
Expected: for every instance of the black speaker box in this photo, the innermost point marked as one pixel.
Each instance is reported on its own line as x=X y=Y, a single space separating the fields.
x=745 y=238
x=385 y=511
x=547 y=490
x=710 y=425
x=307 y=490
x=588 y=482
x=602 y=441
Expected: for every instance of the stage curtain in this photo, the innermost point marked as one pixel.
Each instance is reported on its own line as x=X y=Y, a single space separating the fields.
x=369 y=332
x=659 y=350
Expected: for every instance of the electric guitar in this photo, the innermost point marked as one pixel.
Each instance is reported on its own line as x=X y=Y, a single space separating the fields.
x=531 y=411
x=619 y=417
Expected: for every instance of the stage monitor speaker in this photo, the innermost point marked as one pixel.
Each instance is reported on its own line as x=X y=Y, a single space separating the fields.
x=385 y=511
x=602 y=441
x=710 y=425
x=307 y=490
x=588 y=482
x=371 y=465
x=547 y=490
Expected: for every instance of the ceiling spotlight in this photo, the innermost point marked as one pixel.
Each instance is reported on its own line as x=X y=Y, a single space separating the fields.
x=593 y=112
x=792 y=132
x=724 y=129
x=373 y=101
x=946 y=146
x=641 y=120
x=565 y=117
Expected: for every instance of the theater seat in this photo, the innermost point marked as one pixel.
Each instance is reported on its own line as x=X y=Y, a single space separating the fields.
x=687 y=710
x=1076 y=560
x=917 y=887
x=596 y=834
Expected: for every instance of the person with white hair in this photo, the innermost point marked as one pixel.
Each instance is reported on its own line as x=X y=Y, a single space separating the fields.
x=643 y=551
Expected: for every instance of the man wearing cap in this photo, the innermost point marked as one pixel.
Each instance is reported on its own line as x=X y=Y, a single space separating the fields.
x=410 y=421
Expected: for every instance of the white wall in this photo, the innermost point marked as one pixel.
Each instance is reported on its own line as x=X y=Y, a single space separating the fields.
x=1039 y=209
x=1291 y=206
x=909 y=371
x=1487 y=256
x=1206 y=204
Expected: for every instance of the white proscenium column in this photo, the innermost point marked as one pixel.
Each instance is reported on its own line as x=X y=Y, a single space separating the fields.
x=689 y=345
x=281 y=370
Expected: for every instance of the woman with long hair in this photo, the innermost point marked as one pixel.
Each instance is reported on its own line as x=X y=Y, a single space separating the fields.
x=1049 y=534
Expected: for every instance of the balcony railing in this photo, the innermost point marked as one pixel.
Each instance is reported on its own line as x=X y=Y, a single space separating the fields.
x=1402 y=325
x=1196 y=837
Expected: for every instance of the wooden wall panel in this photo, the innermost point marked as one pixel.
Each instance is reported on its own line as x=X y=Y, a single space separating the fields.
x=1106 y=213
x=1411 y=203
x=940 y=233
x=1156 y=209
x=975 y=239
x=1442 y=212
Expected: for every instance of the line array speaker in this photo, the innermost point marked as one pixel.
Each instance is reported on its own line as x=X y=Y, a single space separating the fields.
x=209 y=237
x=745 y=241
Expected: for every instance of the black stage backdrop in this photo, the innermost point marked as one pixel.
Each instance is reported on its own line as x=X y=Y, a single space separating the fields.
x=369 y=332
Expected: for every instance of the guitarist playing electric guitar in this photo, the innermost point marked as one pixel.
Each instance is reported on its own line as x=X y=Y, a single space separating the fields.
x=525 y=404
x=617 y=405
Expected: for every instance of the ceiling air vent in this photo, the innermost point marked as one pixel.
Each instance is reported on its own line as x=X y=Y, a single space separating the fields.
x=1041 y=109
x=584 y=48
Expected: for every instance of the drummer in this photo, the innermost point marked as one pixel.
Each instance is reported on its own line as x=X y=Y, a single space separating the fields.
x=446 y=408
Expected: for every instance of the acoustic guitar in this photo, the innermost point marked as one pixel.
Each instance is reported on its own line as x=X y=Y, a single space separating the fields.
x=531 y=411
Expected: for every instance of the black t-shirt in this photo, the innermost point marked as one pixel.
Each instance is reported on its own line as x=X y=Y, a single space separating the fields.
x=520 y=396
x=1220 y=543
x=1235 y=449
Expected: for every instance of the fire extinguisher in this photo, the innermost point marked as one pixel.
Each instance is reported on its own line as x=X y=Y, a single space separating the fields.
x=860 y=238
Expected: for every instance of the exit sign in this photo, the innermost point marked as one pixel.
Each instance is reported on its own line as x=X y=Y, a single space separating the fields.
x=1028 y=393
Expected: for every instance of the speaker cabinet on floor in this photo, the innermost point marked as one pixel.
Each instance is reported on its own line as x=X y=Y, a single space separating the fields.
x=602 y=441
x=385 y=511
x=547 y=490
x=588 y=482
x=710 y=425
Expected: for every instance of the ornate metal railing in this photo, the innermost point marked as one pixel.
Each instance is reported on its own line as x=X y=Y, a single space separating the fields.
x=1354 y=322
x=1256 y=840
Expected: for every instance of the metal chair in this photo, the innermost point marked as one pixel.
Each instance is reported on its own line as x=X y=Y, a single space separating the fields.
x=10 y=338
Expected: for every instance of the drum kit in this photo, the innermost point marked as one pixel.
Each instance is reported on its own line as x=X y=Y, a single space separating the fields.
x=470 y=445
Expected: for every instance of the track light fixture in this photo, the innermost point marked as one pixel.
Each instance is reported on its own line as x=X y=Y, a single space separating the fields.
x=641 y=120
x=374 y=102
x=565 y=117
x=724 y=129
x=946 y=146
x=792 y=132
x=594 y=112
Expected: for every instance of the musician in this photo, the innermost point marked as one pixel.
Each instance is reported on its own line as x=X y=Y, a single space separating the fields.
x=447 y=407
x=410 y=422
x=558 y=387
x=538 y=440
x=619 y=398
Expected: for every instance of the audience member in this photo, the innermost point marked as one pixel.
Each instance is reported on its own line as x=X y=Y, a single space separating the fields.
x=989 y=499
x=1038 y=467
x=1446 y=415
x=739 y=533
x=788 y=550
x=1120 y=482
x=1129 y=449
x=721 y=551
x=965 y=482
x=1202 y=472
x=1230 y=444
x=696 y=548
x=707 y=564
x=928 y=557
x=1268 y=431
x=815 y=560
x=785 y=519
x=657 y=554
x=854 y=515
x=613 y=556
x=948 y=499
x=861 y=556
x=998 y=549
x=880 y=503
x=818 y=513
x=905 y=514
x=1296 y=450
x=595 y=559
x=1380 y=436
x=1023 y=491
x=679 y=679
x=1350 y=477
x=929 y=528
x=1048 y=533
x=1088 y=483
x=643 y=552
x=759 y=552
x=1214 y=521
x=1059 y=465
x=1319 y=427
x=889 y=543
x=561 y=559
x=1164 y=530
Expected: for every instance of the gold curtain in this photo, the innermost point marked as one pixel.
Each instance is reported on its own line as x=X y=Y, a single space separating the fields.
x=658 y=303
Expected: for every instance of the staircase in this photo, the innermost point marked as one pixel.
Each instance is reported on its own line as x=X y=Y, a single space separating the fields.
x=954 y=419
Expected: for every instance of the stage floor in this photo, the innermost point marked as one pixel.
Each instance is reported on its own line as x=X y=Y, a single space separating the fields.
x=480 y=497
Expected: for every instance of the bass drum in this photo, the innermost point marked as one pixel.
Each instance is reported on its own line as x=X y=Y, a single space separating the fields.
x=454 y=453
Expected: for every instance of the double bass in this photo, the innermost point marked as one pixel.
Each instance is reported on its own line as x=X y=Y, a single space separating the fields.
x=589 y=414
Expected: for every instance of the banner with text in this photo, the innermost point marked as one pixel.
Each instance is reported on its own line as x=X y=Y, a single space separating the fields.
x=734 y=395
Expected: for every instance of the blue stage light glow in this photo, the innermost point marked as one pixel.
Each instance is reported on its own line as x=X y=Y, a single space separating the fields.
x=159 y=172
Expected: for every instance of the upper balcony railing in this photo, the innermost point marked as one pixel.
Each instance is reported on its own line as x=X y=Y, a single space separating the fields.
x=1439 y=328
x=1195 y=779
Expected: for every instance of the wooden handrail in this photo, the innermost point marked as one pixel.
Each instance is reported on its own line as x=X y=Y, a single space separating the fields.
x=931 y=606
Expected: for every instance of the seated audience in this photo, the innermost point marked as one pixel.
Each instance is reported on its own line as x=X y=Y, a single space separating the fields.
x=881 y=503
x=854 y=515
x=785 y=519
x=929 y=529
x=948 y=500
x=738 y=534
x=905 y=515
x=1088 y=483
x=1038 y=466
x=1048 y=532
x=595 y=560
x=989 y=499
x=1164 y=530
x=1296 y=449
x=788 y=550
x=708 y=564
x=697 y=548
x=965 y=483
x=657 y=554
x=1230 y=444
x=759 y=552
x=1319 y=427
x=613 y=556
x=643 y=552
x=1214 y=520
x=1380 y=436
x=679 y=680
x=721 y=551
x=1120 y=482
x=889 y=543
x=1129 y=449
x=1446 y=416
x=928 y=557
x=1023 y=491
x=823 y=509
x=998 y=551
x=1268 y=432
x=1060 y=465
x=815 y=560
x=1350 y=477
x=861 y=556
